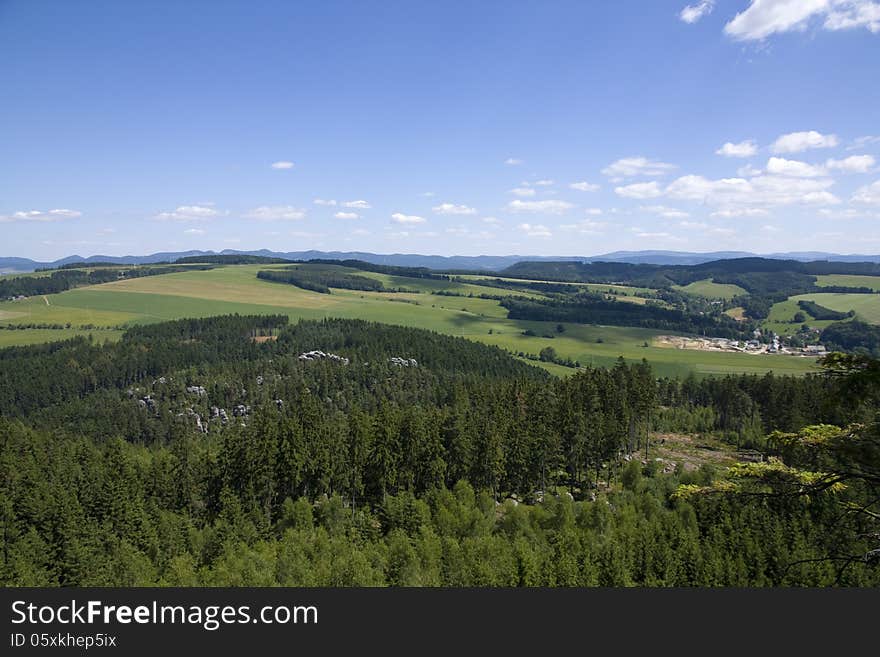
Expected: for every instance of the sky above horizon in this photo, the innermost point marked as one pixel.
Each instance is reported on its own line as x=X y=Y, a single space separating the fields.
x=453 y=128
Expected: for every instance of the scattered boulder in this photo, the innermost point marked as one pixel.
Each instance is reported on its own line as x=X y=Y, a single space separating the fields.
x=317 y=354
x=197 y=390
x=403 y=362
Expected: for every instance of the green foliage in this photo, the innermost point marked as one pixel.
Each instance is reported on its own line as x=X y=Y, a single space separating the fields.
x=321 y=278
x=421 y=460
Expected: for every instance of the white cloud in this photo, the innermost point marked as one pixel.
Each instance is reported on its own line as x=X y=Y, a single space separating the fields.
x=732 y=213
x=639 y=190
x=347 y=215
x=779 y=166
x=862 y=142
x=321 y=201
x=868 y=194
x=693 y=225
x=357 y=205
x=428 y=194
x=769 y=228
x=764 y=18
x=748 y=171
x=852 y=164
x=194 y=231
x=57 y=214
x=741 y=149
x=275 y=213
x=848 y=213
x=665 y=212
x=545 y=182
x=512 y=161
x=283 y=164
x=796 y=142
x=540 y=207
x=848 y=14
x=654 y=236
x=491 y=220
x=188 y=213
x=584 y=186
x=629 y=167
x=400 y=218
x=692 y=13
x=65 y=213
x=587 y=227
x=522 y=191
x=737 y=193
x=535 y=230
x=452 y=209
x=593 y=212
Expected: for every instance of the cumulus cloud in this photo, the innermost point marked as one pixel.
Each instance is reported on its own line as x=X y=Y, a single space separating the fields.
x=665 y=212
x=692 y=13
x=593 y=212
x=401 y=218
x=452 y=209
x=852 y=164
x=275 y=213
x=741 y=149
x=512 y=161
x=523 y=192
x=194 y=231
x=58 y=214
x=781 y=167
x=188 y=213
x=357 y=205
x=639 y=190
x=282 y=164
x=736 y=193
x=748 y=171
x=540 y=207
x=764 y=18
x=322 y=201
x=653 y=236
x=584 y=186
x=535 y=230
x=796 y=142
x=630 y=167
x=732 y=213
x=868 y=194
x=346 y=215
x=586 y=227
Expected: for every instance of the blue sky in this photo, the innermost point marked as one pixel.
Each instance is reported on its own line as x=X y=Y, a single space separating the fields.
x=540 y=128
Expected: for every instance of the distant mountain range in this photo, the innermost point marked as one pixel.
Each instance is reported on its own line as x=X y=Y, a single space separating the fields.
x=483 y=262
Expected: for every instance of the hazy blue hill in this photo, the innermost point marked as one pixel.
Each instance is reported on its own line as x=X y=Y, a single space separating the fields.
x=472 y=263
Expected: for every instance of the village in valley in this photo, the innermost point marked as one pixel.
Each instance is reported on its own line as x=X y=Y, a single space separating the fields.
x=766 y=342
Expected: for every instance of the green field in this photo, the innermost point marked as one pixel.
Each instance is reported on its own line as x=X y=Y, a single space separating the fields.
x=712 y=290
x=236 y=289
x=872 y=282
x=16 y=338
x=866 y=306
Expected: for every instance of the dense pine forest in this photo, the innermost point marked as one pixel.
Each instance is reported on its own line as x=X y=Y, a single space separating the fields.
x=246 y=451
